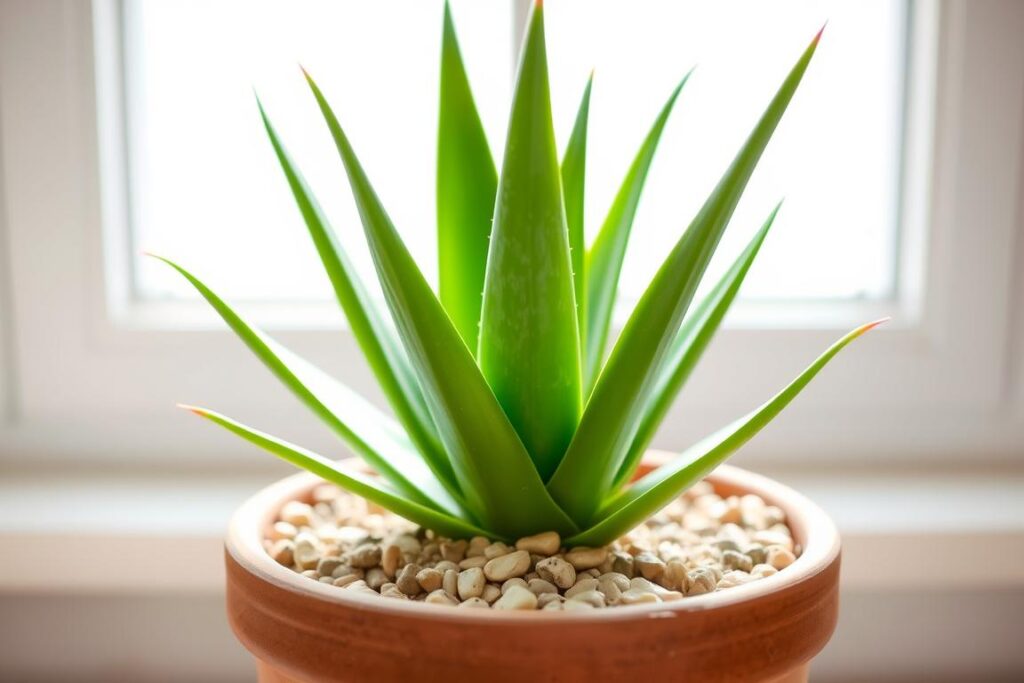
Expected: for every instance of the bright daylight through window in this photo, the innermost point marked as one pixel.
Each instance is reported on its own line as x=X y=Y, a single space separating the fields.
x=205 y=187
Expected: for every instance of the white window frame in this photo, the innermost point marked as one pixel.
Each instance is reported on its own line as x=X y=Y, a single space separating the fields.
x=88 y=375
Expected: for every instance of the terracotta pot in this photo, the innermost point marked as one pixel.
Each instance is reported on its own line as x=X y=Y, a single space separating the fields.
x=767 y=630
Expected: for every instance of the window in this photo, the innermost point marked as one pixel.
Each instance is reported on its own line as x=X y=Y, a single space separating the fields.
x=118 y=118
x=206 y=189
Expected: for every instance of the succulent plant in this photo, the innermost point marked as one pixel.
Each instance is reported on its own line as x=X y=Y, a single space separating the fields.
x=509 y=417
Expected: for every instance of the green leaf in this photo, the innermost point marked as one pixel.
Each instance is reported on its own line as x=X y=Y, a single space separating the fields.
x=466 y=184
x=588 y=472
x=604 y=260
x=349 y=479
x=375 y=338
x=688 y=347
x=574 y=165
x=497 y=477
x=529 y=342
x=660 y=487
x=371 y=434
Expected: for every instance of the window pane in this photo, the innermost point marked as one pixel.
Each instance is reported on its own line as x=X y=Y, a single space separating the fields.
x=206 y=188
x=835 y=156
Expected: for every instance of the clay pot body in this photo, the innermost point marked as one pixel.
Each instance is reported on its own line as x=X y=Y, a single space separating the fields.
x=303 y=631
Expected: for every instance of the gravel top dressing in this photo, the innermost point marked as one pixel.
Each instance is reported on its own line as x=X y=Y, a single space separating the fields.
x=698 y=544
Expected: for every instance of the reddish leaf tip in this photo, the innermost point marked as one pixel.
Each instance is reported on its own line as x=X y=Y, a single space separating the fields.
x=193 y=409
x=872 y=325
x=821 y=30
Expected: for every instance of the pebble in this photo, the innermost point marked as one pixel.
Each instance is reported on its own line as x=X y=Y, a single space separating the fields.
x=557 y=571
x=698 y=544
x=545 y=544
x=471 y=583
x=517 y=597
x=505 y=567
x=283 y=552
x=429 y=579
x=586 y=558
x=779 y=557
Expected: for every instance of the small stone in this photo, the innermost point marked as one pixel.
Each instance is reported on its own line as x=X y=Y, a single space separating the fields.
x=760 y=571
x=327 y=565
x=496 y=550
x=473 y=561
x=734 y=578
x=440 y=597
x=310 y=574
x=756 y=554
x=471 y=583
x=376 y=578
x=732 y=559
x=347 y=570
x=283 y=530
x=390 y=590
x=576 y=605
x=769 y=537
x=365 y=556
x=326 y=493
x=675 y=576
x=517 y=598
x=343 y=581
x=557 y=571
x=635 y=597
x=472 y=603
x=586 y=558
x=406 y=580
x=515 y=581
x=326 y=579
x=546 y=544
x=445 y=565
x=297 y=513
x=429 y=579
x=540 y=586
x=546 y=598
x=650 y=566
x=306 y=552
x=779 y=557
x=623 y=563
x=283 y=552
x=391 y=559
x=701 y=581
x=454 y=551
x=594 y=598
x=476 y=546
x=507 y=566
x=582 y=585
x=553 y=606
x=491 y=593
x=450 y=582
x=611 y=590
x=727 y=544
x=642 y=584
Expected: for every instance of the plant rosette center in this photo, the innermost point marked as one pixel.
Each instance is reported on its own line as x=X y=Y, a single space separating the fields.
x=699 y=543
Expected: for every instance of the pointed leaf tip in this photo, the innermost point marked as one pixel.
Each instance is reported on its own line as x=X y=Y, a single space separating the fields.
x=817 y=36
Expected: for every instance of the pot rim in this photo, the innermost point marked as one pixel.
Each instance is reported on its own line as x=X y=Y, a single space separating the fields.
x=811 y=528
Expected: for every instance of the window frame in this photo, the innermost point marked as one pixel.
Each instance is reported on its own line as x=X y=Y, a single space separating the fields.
x=88 y=374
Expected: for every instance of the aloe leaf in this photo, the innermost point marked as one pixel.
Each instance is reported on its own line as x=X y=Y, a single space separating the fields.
x=466 y=183
x=497 y=477
x=604 y=260
x=348 y=478
x=655 y=490
x=382 y=351
x=588 y=472
x=529 y=342
x=688 y=347
x=574 y=164
x=370 y=433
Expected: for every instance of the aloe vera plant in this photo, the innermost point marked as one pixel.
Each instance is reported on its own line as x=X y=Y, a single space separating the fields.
x=512 y=413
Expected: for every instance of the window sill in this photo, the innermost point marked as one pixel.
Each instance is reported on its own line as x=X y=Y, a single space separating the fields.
x=138 y=535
